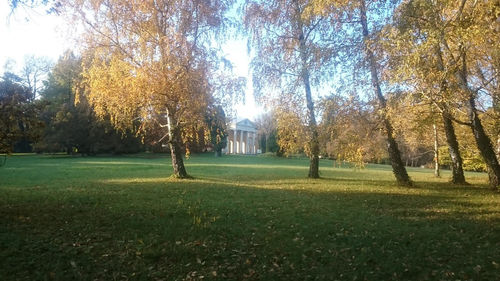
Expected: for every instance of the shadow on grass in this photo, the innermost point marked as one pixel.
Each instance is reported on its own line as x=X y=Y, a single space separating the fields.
x=171 y=229
x=246 y=222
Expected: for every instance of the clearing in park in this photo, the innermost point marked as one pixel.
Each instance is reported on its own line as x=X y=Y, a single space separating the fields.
x=240 y=218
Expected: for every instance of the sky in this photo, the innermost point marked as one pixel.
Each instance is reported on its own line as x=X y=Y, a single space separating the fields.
x=30 y=32
x=33 y=32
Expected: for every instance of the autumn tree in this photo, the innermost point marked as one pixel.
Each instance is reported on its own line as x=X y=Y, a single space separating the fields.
x=350 y=130
x=397 y=164
x=419 y=131
x=292 y=126
x=290 y=59
x=150 y=61
x=359 y=22
x=450 y=47
x=418 y=67
x=471 y=157
x=74 y=127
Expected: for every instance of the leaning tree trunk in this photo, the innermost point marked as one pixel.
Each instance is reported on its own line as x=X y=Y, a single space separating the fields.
x=398 y=167
x=483 y=142
x=484 y=145
x=456 y=159
x=174 y=142
x=313 y=128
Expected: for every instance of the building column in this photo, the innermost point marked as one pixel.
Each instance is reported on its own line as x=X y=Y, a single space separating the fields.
x=227 y=144
x=254 y=143
x=249 y=137
x=241 y=142
x=247 y=143
x=234 y=141
x=251 y=144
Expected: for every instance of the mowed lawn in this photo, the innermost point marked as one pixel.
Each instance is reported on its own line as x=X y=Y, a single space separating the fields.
x=240 y=218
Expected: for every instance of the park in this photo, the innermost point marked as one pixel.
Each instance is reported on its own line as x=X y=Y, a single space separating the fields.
x=250 y=140
x=240 y=218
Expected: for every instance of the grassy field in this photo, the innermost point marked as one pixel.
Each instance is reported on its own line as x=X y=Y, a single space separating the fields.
x=240 y=218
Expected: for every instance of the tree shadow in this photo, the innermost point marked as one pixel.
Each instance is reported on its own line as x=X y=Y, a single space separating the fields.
x=248 y=222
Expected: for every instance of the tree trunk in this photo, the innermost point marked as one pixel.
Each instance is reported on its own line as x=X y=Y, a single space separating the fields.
x=456 y=159
x=483 y=142
x=314 y=158
x=457 y=170
x=484 y=145
x=174 y=142
x=267 y=148
x=498 y=147
x=496 y=108
x=437 y=173
x=313 y=130
x=398 y=167
x=218 y=152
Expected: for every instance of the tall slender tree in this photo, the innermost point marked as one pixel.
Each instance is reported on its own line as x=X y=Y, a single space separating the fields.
x=398 y=167
x=290 y=56
x=359 y=22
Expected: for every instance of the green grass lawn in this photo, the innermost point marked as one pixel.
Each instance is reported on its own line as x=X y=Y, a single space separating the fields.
x=240 y=218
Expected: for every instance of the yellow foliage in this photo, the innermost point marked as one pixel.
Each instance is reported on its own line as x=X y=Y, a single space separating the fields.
x=146 y=62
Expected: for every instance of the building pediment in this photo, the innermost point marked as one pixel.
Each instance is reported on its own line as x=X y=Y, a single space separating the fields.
x=242 y=137
x=244 y=125
x=245 y=122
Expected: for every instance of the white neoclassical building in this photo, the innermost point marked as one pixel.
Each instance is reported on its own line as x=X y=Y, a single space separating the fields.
x=242 y=138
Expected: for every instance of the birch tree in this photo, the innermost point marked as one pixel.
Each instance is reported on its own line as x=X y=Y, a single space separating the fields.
x=361 y=22
x=150 y=62
x=452 y=44
x=398 y=167
x=290 y=56
x=417 y=63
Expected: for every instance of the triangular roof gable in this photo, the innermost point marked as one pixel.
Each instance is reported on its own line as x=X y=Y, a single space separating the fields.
x=245 y=122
